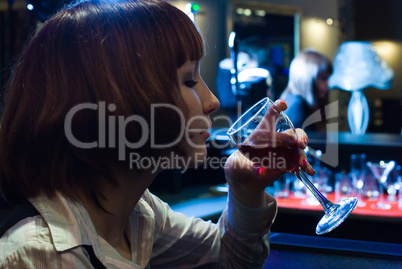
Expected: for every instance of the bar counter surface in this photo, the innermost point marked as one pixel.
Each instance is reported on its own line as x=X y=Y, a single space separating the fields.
x=207 y=205
x=394 y=214
x=289 y=251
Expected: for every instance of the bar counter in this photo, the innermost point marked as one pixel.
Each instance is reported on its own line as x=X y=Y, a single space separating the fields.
x=368 y=238
x=299 y=251
x=207 y=205
x=394 y=214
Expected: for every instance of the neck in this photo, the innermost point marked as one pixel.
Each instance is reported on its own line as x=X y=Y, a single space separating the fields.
x=118 y=202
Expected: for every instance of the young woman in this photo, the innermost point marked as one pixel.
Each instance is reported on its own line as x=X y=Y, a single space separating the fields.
x=99 y=82
x=307 y=89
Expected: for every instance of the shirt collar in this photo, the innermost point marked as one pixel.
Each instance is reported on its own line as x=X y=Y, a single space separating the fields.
x=71 y=226
x=69 y=223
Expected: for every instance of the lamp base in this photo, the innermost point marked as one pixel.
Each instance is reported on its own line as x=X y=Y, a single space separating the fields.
x=358 y=113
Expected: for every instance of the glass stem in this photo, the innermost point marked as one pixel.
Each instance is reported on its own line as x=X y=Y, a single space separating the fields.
x=381 y=200
x=327 y=205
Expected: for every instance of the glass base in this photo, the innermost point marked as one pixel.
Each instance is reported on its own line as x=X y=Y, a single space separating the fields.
x=335 y=218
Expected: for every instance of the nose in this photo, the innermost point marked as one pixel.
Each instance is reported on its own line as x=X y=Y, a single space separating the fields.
x=212 y=104
x=209 y=101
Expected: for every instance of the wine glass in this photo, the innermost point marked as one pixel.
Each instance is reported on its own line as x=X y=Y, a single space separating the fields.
x=392 y=185
x=320 y=179
x=358 y=173
x=381 y=171
x=267 y=137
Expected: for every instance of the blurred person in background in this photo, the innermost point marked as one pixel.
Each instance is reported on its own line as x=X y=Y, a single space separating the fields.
x=307 y=90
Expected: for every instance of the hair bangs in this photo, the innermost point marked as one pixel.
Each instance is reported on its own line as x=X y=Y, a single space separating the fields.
x=190 y=44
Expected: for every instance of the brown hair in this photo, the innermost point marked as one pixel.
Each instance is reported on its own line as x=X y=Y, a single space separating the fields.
x=124 y=53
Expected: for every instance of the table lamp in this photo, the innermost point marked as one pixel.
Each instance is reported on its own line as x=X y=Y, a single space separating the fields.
x=357 y=66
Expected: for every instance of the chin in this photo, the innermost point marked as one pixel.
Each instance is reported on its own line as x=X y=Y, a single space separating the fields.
x=197 y=157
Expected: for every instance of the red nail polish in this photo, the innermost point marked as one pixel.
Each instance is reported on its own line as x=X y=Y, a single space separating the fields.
x=305 y=141
x=305 y=162
x=313 y=170
x=260 y=171
x=283 y=102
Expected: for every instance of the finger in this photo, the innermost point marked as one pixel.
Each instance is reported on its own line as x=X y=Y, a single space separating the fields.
x=302 y=138
x=272 y=114
x=281 y=104
x=285 y=138
x=239 y=164
x=275 y=109
x=305 y=165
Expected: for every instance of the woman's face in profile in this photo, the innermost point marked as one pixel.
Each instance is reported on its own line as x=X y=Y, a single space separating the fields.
x=201 y=103
x=322 y=85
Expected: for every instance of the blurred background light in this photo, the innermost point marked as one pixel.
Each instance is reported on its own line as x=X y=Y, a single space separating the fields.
x=239 y=11
x=330 y=21
x=191 y=10
x=44 y=9
x=247 y=12
x=260 y=13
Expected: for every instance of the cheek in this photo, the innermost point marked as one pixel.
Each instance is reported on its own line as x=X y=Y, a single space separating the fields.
x=195 y=121
x=192 y=101
x=194 y=116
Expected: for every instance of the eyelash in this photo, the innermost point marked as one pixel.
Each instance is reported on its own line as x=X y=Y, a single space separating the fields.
x=190 y=83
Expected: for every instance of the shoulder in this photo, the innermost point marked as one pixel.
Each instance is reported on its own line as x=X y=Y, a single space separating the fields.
x=294 y=100
x=31 y=230
x=151 y=200
x=24 y=242
x=28 y=244
x=297 y=110
x=296 y=104
x=152 y=206
x=163 y=216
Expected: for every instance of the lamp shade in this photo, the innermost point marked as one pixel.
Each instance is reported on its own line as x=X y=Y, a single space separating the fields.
x=254 y=75
x=357 y=66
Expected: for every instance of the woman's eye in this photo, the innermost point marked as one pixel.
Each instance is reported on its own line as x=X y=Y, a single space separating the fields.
x=190 y=83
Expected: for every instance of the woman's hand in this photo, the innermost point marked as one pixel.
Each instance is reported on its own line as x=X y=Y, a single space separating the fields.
x=247 y=181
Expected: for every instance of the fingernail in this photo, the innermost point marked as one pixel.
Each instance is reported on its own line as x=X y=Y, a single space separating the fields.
x=305 y=141
x=312 y=169
x=258 y=170
x=305 y=162
x=283 y=102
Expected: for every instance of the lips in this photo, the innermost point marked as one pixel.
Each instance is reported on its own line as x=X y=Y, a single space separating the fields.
x=205 y=129
x=198 y=131
x=201 y=127
x=205 y=135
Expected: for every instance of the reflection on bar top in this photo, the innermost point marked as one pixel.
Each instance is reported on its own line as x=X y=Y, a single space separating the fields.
x=371 y=139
